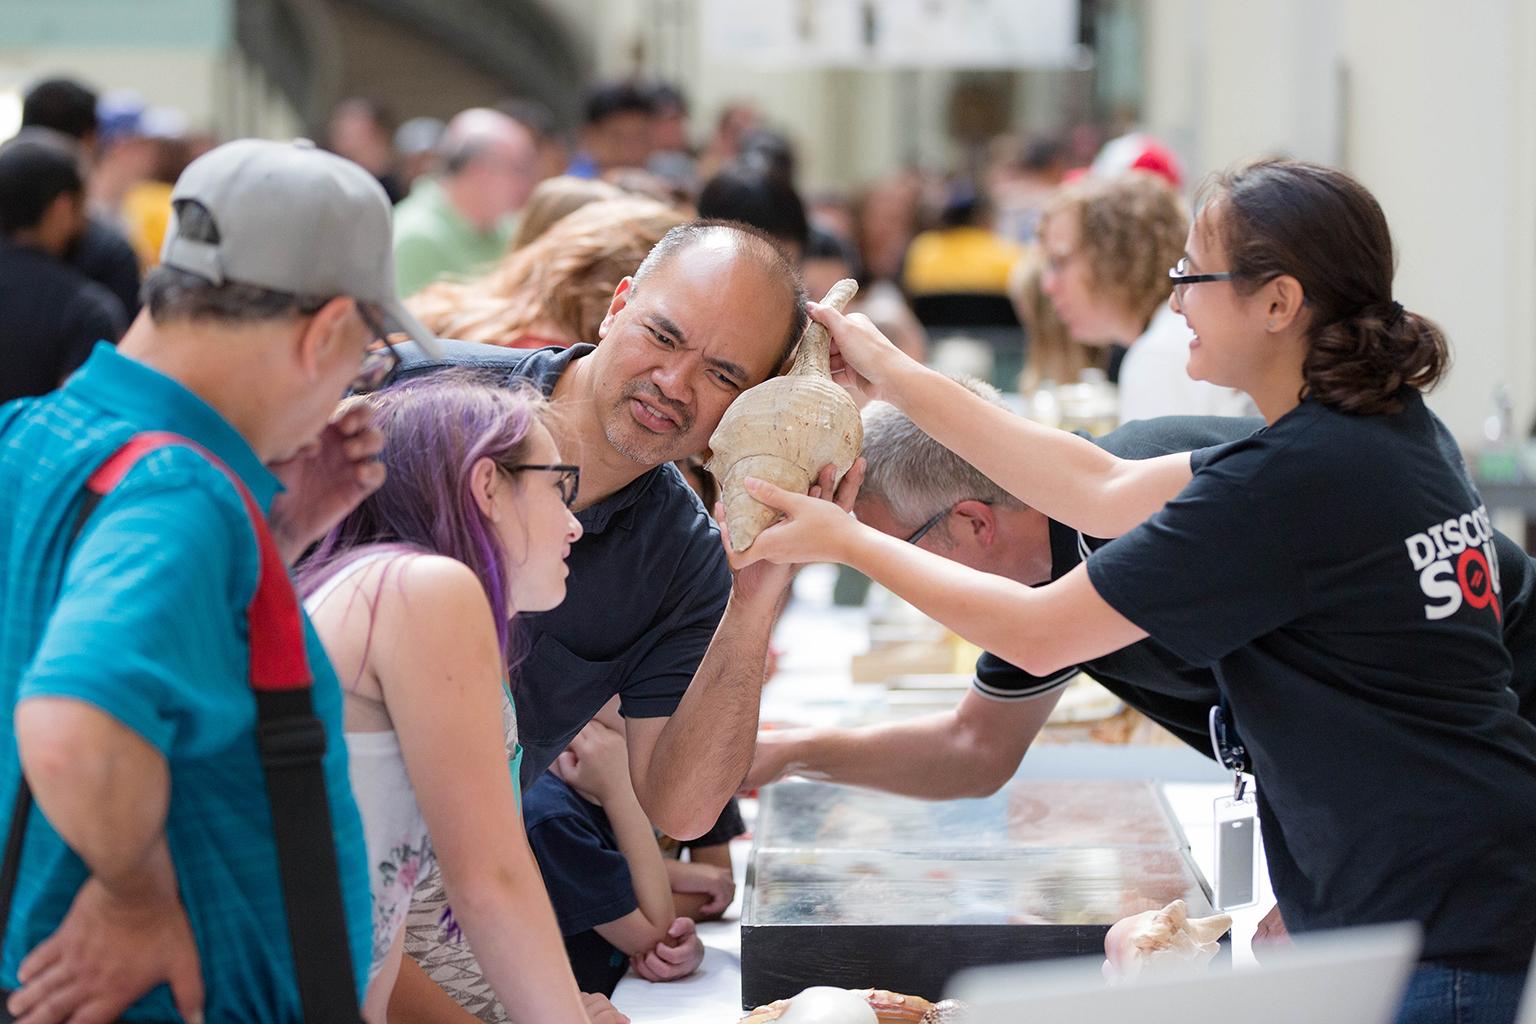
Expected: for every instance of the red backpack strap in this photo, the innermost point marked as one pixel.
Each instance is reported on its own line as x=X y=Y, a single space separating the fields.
x=292 y=743
x=277 y=647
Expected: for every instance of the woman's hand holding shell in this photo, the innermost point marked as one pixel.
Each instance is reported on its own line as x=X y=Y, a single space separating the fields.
x=813 y=528
x=863 y=359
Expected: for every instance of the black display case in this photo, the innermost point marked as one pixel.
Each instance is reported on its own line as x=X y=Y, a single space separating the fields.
x=858 y=889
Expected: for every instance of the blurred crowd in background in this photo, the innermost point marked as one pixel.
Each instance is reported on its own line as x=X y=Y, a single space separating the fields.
x=1041 y=265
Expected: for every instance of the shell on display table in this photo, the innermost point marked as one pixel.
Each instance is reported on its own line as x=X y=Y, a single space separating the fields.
x=785 y=430
x=886 y=1007
x=1166 y=939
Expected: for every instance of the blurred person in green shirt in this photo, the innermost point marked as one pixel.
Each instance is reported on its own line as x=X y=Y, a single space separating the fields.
x=460 y=221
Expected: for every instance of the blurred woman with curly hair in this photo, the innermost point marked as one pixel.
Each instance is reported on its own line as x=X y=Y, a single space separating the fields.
x=556 y=289
x=1107 y=245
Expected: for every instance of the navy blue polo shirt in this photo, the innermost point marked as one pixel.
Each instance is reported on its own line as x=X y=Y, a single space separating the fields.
x=648 y=585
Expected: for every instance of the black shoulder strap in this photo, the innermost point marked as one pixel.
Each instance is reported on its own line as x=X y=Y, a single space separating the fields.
x=292 y=742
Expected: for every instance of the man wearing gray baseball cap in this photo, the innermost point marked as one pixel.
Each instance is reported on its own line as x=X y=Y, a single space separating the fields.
x=176 y=721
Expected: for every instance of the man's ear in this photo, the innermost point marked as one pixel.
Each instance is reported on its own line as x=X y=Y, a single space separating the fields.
x=621 y=296
x=321 y=333
x=977 y=522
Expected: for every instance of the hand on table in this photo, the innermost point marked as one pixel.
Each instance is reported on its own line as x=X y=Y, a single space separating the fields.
x=1271 y=933
x=600 y=1010
x=325 y=480
x=676 y=956
x=107 y=953
x=705 y=880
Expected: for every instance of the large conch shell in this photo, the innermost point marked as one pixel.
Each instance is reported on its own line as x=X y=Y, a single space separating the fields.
x=889 y=1008
x=785 y=430
x=1162 y=940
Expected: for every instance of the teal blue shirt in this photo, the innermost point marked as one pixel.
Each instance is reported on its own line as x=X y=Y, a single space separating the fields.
x=146 y=621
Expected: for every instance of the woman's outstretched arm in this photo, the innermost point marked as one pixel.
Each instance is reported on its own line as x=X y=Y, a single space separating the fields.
x=1039 y=629
x=1066 y=477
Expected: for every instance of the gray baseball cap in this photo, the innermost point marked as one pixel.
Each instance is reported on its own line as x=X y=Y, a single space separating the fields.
x=296 y=219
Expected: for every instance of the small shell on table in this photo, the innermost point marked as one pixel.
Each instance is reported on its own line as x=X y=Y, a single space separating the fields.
x=764 y=1014
x=895 y=1008
x=947 y=1011
x=889 y=1008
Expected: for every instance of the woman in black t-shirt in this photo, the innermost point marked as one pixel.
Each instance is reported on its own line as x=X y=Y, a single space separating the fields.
x=1335 y=570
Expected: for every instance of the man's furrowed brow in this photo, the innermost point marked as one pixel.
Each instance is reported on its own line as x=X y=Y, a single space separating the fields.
x=667 y=324
x=727 y=367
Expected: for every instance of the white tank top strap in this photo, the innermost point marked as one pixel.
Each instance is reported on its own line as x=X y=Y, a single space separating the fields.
x=336 y=579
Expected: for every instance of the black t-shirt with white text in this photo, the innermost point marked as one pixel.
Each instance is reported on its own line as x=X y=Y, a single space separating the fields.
x=1339 y=576
x=1169 y=690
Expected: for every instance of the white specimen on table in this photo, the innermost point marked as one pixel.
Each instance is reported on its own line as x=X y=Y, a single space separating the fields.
x=887 y=1007
x=1159 y=940
x=826 y=1005
x=785 y=430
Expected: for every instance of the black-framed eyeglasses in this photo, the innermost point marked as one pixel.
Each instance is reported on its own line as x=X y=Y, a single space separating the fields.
x=569 y=480
x=1181 y=277
x=381 y=363
x=922 y=531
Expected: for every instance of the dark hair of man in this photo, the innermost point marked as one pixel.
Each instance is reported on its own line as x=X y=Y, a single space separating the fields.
x=754 y=195
x=771 y=150
x=61 y=104
x=750 y=243
x=172 y=294
x=617 y=98
x=36 y=167
x=964 y=206
x=668 y=98
x=1317 y=224
x=821 y=244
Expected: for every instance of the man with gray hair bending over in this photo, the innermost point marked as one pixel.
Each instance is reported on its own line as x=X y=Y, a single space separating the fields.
x=918 y=490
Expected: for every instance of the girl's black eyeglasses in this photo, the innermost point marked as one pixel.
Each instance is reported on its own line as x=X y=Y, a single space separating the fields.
x=568 y=481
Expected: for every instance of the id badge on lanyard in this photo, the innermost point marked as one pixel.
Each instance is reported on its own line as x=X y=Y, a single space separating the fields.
x=1236 y=819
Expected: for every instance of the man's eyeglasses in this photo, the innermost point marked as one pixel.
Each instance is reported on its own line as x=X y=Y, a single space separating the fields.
x=922 y=531
x=1181 y=277
x=381 y=363
x=938 y=517
x=569 y=480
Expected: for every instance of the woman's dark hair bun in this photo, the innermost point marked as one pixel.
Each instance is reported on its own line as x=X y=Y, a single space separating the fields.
x=1362 y=363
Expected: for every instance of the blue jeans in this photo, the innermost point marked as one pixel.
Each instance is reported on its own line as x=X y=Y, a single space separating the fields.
x=1446 y=995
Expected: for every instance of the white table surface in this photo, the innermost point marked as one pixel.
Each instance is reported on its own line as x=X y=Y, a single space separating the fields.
x=813 y=686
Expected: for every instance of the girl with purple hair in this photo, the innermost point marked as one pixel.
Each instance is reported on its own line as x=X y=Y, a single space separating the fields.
x=413 y=595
